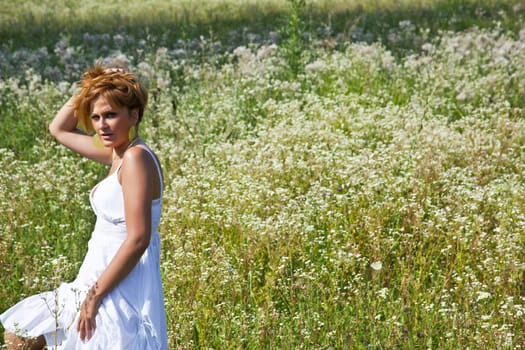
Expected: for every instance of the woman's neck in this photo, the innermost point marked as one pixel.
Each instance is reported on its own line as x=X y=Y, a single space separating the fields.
x=118 y=155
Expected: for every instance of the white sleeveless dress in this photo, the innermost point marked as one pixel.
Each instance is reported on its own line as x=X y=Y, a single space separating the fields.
x=131 y=316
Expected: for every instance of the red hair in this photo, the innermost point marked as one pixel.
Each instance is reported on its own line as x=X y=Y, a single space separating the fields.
x=120 y=88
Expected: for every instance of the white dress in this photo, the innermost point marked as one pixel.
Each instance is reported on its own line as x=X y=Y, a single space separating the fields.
x=131 y=316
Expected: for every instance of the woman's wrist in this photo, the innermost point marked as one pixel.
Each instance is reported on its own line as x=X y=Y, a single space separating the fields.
x=95 y=292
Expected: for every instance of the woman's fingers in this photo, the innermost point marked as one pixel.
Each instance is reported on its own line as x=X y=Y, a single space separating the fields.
x=87 y=321
x=86 y=328
x=81 y=329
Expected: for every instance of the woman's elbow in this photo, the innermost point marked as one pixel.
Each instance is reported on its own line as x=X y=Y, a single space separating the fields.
x=52 y=129
x=141 y=242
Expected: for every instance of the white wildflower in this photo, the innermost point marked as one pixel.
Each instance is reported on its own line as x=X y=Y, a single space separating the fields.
x=428 y=48
x=483 y=295
x=406 y=24
x=522 y=34
x=64 y=87
x=243 y=52
x=465 y=95
x=382 y=293
x=146 y=71
x=315 y=66
x=266 y=51
x=388 y=61
x=376 y=266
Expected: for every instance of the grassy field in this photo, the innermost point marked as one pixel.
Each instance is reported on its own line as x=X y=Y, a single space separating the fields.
x=38 y=23
x=338 y=176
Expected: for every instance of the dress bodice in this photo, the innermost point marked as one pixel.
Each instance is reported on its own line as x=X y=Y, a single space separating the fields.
x=107 y=200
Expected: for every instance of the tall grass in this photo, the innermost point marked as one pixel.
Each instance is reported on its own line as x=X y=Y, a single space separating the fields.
x=40 y=24
x=369 y=197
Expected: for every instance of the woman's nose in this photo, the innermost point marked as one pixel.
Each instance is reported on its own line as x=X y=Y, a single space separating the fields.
x=101 y=123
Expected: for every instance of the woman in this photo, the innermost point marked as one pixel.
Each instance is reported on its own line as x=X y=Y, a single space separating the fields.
x=116 y=301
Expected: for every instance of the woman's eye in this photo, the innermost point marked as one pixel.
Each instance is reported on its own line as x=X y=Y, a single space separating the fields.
x=95 y=117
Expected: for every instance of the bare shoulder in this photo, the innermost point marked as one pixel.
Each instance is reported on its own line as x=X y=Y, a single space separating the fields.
x=139 y=170
x=138 y=157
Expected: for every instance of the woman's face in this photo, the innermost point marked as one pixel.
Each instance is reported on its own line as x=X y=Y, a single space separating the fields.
x=112 y=123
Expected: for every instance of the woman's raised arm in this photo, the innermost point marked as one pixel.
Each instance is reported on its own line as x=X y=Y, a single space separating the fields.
x=64 y=129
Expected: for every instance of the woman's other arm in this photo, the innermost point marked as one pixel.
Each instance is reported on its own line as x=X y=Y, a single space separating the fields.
x=136 y=179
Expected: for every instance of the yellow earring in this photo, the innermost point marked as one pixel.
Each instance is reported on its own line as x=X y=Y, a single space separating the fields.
x=97 y=141
x=132 y=133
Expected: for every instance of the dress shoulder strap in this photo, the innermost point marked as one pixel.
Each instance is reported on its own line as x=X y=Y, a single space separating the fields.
x=157 y=164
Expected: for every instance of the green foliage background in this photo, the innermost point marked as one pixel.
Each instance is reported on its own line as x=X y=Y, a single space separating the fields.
x=321 y=193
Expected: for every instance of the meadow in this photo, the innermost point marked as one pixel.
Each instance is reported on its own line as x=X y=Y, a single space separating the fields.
x=339 y=174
